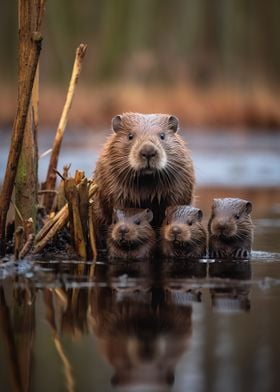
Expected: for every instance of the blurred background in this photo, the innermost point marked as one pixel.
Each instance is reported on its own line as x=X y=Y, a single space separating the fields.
x=210 y=62
x=215 y=64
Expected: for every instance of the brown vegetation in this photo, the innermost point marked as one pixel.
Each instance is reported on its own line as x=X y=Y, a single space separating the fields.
x=214 y=107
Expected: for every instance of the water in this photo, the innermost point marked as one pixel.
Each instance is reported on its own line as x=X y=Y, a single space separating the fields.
x=154 y=326
x=221 y=158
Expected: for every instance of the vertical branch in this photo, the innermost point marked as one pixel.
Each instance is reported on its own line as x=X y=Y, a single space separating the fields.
x=27 y=174
x=23 y=101
x=51 y=176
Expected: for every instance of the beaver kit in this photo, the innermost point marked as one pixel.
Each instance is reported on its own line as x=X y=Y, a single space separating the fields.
x=131 y=236
x=143 y=164
x=230 y=229
x=182 y=233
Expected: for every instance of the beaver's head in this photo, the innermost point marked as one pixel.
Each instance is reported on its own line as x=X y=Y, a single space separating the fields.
x=131 y=226
x=182 y=224
x=230 y=218
x=145 y=143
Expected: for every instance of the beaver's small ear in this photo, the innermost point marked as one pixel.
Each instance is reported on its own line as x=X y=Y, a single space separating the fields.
x=116 y=123
x=149 y=214
x=215 y=202
x=199 y=215
x=118 y=214
x=248 y=207
x=173 y=123
x=169 y=210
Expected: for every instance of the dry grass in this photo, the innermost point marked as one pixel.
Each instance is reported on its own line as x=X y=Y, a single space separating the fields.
x=94 y=106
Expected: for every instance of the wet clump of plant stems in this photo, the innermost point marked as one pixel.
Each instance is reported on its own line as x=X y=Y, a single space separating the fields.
x=41 y=214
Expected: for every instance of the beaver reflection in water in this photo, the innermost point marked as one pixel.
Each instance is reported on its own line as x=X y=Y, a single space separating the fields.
x=131 y=236
x=142 y=338
x=182 y=233
x=230 y=229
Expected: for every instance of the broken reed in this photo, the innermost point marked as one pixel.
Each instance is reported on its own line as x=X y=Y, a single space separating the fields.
x=78 y=192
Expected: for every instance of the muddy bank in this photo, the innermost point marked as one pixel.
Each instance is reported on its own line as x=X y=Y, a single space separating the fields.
x=94 y=106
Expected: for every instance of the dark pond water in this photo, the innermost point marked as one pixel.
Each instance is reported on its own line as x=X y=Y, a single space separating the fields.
x=153 y=326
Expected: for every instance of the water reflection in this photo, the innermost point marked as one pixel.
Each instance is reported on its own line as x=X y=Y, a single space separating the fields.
x=234 y=296
x=17 y=334
x=141 y=330
x=144 y=317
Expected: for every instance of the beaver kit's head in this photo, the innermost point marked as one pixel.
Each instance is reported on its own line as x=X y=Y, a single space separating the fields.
x=230 y=219
x=147 y=154
x=131 y=233
x=182 y=230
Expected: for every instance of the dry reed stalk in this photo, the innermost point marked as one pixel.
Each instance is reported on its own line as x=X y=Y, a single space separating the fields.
x=54 y=229
x=42 y=233
x=19 y=241
x=61 y=200
x=51 y=228
x=51 y=175
x=83 y=205
x=27 y=246
x=72 y=196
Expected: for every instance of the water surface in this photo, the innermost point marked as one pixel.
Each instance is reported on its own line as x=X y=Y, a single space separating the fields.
x=198 y=326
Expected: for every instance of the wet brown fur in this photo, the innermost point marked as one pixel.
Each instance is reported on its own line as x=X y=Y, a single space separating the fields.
x=182 y=233
x=230 y=229
x=124 y=181
x=131 y=236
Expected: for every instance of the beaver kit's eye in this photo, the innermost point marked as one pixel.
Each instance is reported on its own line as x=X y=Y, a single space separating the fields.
x=137 y=221
x=162 y=135
x=130 y=136
x=189 y=223
x=236 y=216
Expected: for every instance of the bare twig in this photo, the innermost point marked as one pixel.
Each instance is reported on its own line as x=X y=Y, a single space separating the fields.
x=55 y=228
x=63 y=213
x=27 y=246
x=51 y=176
x=45 y=153
x=19 y=235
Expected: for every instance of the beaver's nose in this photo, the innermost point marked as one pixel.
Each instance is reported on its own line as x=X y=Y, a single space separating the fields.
x=176 y=231
x=148 y=151
x=123 y=229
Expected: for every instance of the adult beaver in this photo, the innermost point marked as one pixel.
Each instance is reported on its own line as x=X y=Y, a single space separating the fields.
x=143 y=164
x=182 y=233
x=230 y=229
x=131 y=236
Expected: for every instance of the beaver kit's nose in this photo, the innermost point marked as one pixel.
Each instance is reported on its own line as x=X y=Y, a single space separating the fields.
x=224 y=228
x=176 y=232
x=148 y=151
x=122 y=231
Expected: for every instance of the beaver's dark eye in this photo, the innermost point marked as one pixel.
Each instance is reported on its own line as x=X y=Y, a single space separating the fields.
x=189 y=223
x=130 y=136
x=236 y=216
x=162 y=136
x=137 y=221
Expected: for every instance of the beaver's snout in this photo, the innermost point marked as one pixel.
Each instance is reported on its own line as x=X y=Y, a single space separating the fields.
x=223 y=227
x=176 y=231
x=148 y=152
x=122 y=232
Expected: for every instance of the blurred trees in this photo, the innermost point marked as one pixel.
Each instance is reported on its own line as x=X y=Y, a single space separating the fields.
x=154 y=40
